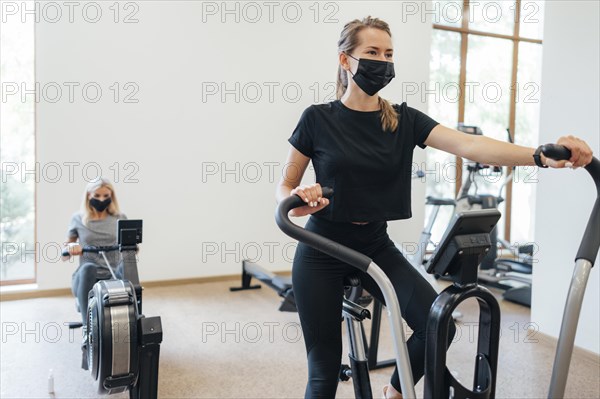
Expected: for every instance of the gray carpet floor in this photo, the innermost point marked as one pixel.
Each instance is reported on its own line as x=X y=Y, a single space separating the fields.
x=221 y=344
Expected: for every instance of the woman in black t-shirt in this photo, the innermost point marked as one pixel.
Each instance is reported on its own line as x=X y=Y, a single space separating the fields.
x=361 y=145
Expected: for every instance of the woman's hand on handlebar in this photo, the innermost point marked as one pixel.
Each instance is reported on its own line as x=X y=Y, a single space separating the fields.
x=581 y=153
x=74 y=248
x=313 y=196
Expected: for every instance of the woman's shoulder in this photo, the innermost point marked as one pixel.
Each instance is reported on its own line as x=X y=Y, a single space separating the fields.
x=315 y=112
x=404 y=107
x=400 y=108
x=322 y=107
x=406 y=112
x=76 y=216
x=327 y=105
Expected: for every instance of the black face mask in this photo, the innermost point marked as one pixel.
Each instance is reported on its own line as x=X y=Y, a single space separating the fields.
x=372 y=75
x=100 y=205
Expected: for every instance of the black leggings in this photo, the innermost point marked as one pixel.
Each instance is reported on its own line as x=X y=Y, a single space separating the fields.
x=318 y=288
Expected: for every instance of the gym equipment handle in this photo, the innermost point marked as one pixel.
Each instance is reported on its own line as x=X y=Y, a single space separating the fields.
x=588 y=249
x=559 y=152
x=556 y=152
x=316 y=241
x=94 y=249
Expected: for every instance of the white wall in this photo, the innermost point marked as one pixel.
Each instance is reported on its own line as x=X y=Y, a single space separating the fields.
x=569 y=105
x=196 y=223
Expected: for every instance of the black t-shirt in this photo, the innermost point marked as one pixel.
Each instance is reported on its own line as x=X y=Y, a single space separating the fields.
x=368 y=168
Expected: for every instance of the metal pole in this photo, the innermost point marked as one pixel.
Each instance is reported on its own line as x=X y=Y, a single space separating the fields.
x=395 y=316
x=568 y=329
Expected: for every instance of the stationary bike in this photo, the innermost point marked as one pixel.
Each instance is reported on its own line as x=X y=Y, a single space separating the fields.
x=466 y=242
x=123 y=346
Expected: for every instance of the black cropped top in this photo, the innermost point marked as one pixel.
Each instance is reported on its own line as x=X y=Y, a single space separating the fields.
x=369 y=169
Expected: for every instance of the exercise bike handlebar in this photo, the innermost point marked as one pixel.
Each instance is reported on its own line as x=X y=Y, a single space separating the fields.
x=588 y=249
x=94 y=249
x=316 y=241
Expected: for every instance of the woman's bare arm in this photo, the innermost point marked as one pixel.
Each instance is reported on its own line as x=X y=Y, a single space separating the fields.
x=289 y=184
x=495 y=152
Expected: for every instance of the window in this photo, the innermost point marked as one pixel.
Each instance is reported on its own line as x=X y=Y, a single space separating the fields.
x=17 y=150
x=490 y=51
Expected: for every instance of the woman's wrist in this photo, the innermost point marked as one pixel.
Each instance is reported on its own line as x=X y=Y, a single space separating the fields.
x=539 y=158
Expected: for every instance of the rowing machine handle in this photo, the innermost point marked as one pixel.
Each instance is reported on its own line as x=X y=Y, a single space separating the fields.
x=94 y=249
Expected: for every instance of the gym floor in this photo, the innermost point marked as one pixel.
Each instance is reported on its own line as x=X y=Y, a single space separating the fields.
x=219 y=344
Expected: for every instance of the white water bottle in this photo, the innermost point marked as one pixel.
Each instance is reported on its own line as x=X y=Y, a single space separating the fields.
x=51 y=382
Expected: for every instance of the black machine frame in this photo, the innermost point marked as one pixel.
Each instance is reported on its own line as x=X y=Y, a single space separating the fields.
x=464 y=244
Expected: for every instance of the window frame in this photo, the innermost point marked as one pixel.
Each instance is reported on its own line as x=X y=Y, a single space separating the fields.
x=33 y=280
x=464 y=32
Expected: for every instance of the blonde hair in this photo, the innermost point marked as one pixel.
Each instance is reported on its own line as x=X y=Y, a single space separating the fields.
x=347 y=43
x=87 y=211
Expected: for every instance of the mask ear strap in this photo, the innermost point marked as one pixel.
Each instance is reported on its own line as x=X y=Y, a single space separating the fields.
x=349 y=70
x=351 y=56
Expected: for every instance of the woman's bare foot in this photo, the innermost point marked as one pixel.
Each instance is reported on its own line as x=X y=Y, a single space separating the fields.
x=389 y=392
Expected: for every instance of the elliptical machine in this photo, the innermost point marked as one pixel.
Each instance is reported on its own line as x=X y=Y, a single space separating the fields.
x=458 y=255
x=123 y=345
